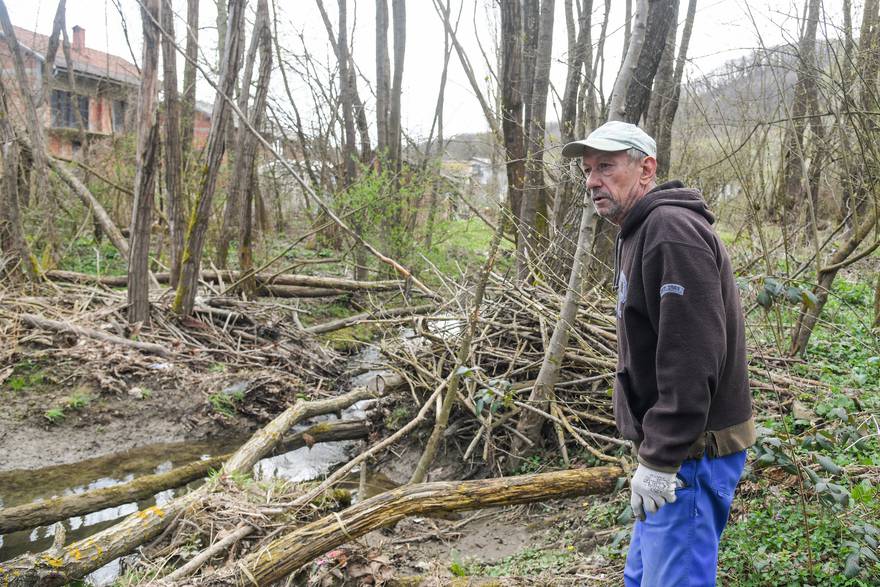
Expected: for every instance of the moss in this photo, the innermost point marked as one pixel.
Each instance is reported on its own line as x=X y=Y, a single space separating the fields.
x=351 y=339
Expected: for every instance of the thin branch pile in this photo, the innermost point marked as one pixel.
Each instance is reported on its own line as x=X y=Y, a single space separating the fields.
x=514 y=326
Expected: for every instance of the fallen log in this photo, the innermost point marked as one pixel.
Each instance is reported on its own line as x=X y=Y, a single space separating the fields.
x=268 y=280
x=380 y=315
x=76 y=560
x=47 y=511
x=56 y=326
x=276 y=560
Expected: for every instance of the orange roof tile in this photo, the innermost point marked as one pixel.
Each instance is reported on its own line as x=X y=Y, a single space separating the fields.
x=87 y=61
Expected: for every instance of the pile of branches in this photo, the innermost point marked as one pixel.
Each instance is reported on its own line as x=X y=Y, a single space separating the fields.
x=83 y=331
x=513 y=328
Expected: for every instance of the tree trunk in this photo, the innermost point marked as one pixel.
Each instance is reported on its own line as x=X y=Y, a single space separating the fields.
x=248 y=181
x=530 y=423
x=172 y=145
x=662 y=91
x=877 y=302
x=663 y=134
x=146 y=162
x=563 y=234
x=398 y=22
x=809 y=316
x=240 y=181
x=594 y=111
x=632 y=89
x=47 y=511
x=12 y=241
x=346 y=99
x=512 y=107
x=67 y=328
x=188 y=105
x=198 y=225
x=32 y=119
x=628 y=102
x=285 y=555
x=533 y=216
x=91 y=203
x=491 y=119
x=792 y=186
x=383 y=76
x=58 y=27
x=268 y=279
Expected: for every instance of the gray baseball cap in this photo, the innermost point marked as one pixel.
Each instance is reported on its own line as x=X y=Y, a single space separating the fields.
x=613 y=136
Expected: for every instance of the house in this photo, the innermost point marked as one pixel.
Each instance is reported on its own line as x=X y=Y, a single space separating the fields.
x=104 y=89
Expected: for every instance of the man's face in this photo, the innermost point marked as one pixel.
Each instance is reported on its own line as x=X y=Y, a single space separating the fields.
x=616 y=182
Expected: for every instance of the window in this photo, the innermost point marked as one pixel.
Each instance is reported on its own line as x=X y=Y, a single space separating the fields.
x=63 y=113
x=119 y=115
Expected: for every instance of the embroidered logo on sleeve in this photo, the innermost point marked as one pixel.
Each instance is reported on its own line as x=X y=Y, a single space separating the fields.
x=621 y=295
x=671 y=288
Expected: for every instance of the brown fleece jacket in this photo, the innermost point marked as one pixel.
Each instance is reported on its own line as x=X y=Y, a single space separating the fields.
x=682 y=382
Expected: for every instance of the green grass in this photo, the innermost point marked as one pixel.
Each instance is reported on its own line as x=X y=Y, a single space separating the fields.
x=225 y=403
x=25 y=375
x=87 y=256
x=54 y=415
x=531 y=561
x=462 y=244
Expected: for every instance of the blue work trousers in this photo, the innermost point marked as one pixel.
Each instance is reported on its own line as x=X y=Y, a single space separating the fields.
x=678 y=545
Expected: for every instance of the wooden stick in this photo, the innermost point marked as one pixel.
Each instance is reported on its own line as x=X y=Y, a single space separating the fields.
x=285 y=555
x=195 y=564
x=267 y=280
x=56 y=326
x=352 y=320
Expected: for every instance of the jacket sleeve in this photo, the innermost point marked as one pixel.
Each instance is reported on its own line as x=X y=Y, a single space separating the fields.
x=683 y=294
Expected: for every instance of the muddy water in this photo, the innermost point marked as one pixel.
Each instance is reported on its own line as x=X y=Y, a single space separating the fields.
x=23 y=486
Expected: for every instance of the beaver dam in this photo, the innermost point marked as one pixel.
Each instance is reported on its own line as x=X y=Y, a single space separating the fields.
x=90 y=494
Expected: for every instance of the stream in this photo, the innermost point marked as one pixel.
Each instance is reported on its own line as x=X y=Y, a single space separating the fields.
x=304 y=464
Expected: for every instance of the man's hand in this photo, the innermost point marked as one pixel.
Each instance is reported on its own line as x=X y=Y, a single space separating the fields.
x=651 y=490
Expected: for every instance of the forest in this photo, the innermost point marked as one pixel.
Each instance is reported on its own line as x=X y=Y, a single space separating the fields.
x=305 y=293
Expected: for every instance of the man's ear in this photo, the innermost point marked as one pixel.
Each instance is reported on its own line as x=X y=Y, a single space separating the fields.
x=649 y=169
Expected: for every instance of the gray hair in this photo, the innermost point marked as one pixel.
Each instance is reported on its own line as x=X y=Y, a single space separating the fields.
x=635 y=155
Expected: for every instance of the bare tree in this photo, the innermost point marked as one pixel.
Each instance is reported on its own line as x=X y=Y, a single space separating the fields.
x=232 y=213
x=629 y=102
x=562 y=234
x=632 y=89
x=512 y=105
x=398 y=19
x=792 y=186
x=146 y=160
x=32 y=119
x=195 y=238
x=15 y=256
x=172 y=145
x=663 y=132
x=188 y=105
x=383 y=78
x=533 y=215
x=359 y=111
x=247 y=180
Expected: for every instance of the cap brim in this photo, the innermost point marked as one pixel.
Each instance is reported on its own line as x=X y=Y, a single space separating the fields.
x=578 y=148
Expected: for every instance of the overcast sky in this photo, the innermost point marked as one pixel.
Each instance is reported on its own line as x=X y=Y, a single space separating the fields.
x=723 y=30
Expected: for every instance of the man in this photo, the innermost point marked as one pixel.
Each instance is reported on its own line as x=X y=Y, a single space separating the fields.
x=681 y=393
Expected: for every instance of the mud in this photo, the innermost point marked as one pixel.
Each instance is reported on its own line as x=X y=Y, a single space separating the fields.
x=110 y=422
